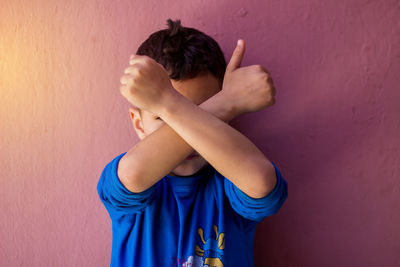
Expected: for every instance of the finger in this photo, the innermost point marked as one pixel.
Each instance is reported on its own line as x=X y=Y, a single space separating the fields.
x=273 y=101
x=270 y=80
x=237 y=56
x=265 y=70
x=122 y=89
x=136 y=58
x=124 y=79
x=273 y=90
x=130 y=70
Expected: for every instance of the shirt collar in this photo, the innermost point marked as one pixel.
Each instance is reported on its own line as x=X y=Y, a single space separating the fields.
x=190 y=180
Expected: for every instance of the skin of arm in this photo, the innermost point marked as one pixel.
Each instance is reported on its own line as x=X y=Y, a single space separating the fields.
x=231 y=153
x=132 y=169
x=146 y=85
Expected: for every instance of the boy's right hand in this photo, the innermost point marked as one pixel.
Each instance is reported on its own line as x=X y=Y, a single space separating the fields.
x=249 y=88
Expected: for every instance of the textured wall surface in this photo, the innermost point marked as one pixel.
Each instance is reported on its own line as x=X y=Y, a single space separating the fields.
x=333 y=132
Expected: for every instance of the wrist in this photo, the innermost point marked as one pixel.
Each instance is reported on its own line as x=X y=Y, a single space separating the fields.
x=219 y=107
x=229 y=112
x=170 y=102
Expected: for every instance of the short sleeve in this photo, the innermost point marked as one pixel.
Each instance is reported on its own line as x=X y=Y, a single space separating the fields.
x=116 y=197
x=256 y=209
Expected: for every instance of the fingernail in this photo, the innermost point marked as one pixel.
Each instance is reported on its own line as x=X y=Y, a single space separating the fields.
x=239 y=43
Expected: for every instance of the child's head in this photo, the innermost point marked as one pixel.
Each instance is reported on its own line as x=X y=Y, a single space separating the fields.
x=184 y=52
x=196 y=67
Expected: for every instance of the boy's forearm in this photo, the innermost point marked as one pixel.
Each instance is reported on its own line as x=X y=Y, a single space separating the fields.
x=161 y=151
x=231 y=153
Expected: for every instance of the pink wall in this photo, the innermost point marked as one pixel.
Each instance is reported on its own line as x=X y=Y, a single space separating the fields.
x=333 y=132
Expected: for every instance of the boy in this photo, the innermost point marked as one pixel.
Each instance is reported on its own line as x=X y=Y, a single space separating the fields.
x=193 y=189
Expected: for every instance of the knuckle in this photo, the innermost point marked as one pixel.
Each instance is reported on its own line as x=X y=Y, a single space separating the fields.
x=269 y=92
x=259 y=67
x=137 y=69
x=256 y=66
x=146 y=59
x=134 y=65
x=127 y=70
x=270 y=79
x=130 y=82
x=272 y=91
x=263 y=77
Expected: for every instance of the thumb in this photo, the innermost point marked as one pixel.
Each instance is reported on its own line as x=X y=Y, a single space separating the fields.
x=237 y=56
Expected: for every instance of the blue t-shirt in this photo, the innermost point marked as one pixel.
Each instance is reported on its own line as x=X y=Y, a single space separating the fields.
x=197 y=220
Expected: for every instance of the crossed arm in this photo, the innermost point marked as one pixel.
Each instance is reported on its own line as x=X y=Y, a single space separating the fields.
x=205 y=129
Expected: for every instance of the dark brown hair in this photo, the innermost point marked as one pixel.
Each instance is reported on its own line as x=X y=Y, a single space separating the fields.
x=184 y=52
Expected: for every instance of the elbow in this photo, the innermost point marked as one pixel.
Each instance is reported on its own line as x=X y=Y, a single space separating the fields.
x=129 y=179
x=131 y=184
x=269 y=181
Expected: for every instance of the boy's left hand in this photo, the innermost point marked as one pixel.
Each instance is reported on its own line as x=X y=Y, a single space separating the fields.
x=249 y=88
x=146 y=84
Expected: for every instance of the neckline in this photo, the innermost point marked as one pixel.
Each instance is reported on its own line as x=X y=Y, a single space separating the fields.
x=189 y=180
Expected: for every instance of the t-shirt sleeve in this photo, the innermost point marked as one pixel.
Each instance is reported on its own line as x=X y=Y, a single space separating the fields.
x=116 y=197
x=256 y=209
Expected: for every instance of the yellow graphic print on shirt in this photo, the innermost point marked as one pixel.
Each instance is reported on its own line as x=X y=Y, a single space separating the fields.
x=212 y=252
